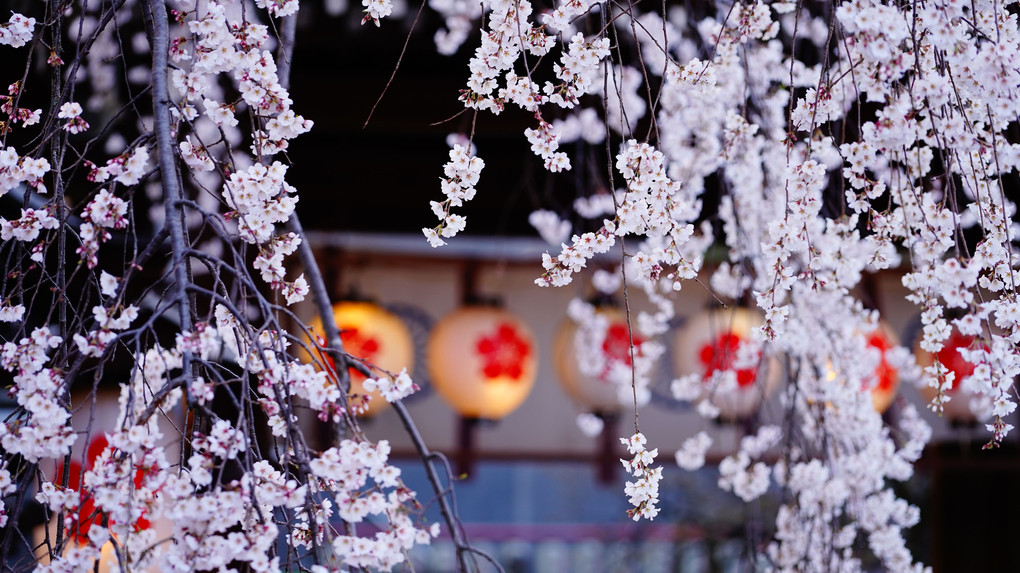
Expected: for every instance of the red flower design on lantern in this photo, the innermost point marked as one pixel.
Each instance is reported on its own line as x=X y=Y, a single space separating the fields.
x=885 y=373
x=616 y=347
x=88 y=514
x=356 y=344
x=503 y=352
x=951 y=358
x=359 y=345
x=720 y=354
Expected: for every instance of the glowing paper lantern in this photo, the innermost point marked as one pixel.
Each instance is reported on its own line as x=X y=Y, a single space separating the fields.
x=97 y=410
x=482 y=361
x=87 y=512
x=375 y=335
x=887 y=378
x=709 y=342
x=958 y=408
x=594 y=390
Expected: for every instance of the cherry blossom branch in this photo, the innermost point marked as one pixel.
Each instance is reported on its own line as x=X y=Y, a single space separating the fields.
x=457 y=533
x=156 y=17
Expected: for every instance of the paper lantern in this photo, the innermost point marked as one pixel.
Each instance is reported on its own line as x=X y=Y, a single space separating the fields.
x=887 y=378
x=87 y=514
x=482 y=361
x=375 y=335
x=594 y=389
x=709 y=342
x=97 y=410
x=958 y=408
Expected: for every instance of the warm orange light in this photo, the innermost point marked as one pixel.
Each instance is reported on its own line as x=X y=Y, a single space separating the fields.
x=482 y=361
x=375 y=335
x=597 y=392
x=708 y=342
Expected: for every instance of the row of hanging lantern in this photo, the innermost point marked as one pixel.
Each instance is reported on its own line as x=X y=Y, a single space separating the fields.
x=715 y=347
x=710 y=341
x=482 y=360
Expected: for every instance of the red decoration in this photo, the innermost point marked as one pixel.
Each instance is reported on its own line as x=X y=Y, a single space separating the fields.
x=951 y=358
x=594 y=389
x=887 y=375
x=616 y=346
x=356 y=344
x=887 y=378
x=720 y=354
x=503 y=352
x=708 y=343
x=959 y=406
x=87 y=511
x=376 y=337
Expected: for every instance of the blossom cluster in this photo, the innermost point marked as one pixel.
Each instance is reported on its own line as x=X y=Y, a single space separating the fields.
x=16 y=169
x=806 y=210
x=17 y=31
x=42 y=432
x=214 y=522
x=459 y=17
x=162 y=496
x=278 y=8
x=95 y=342
x=104 y=211
x=71 y=111
x=737 y=472
x=375 y=9
x=507 y=38
x=28 y=226
x=550 y=227
x=460 y=177
x=691 y=455
x=346 y=469
x=11 y=312
x=508 y=35
x=126 y=169
x=269 y=263
x=652 y=205
x=7 y=487
x=392 y=389
x=258 y=195
x=17 y=115
x=643 y=493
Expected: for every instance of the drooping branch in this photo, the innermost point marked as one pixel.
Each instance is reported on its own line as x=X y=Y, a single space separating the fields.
x=156 y=18
x=334 y=344
x=460 y=540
